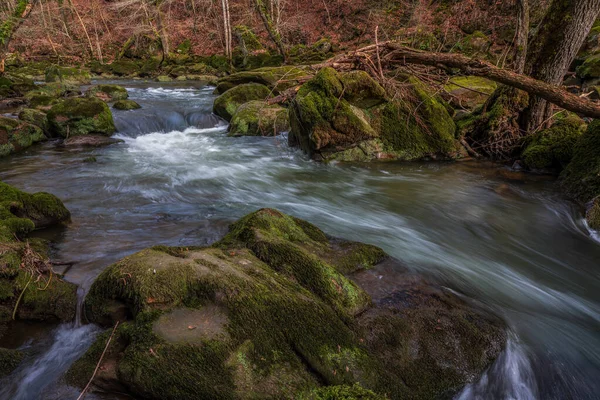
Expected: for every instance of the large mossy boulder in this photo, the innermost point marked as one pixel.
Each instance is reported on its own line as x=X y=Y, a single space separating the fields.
x=14 y=85
x=126 y=105
x=124 y=67
x=271 y=311
x=277 y=79
x=581 y=178
x=257 y=118
x=68 y=75
x=81 y=116
x=552 y=148
x=37 y=118
x=16 y=135
x=227 y=104
x=107 y=93
x=28 y=289
x=469 y=92
x=347 y=117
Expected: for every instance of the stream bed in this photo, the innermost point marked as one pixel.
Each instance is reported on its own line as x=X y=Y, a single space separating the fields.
x=509 y=240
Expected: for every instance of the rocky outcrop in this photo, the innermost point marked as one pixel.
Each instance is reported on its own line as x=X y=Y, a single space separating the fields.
x=107 y=93
x=347 y=117
x=227 y=104
x=68 y=75
x=277 y=79
x=275 y=310
x=257 y=118
x=80 y=116
x=16 y=135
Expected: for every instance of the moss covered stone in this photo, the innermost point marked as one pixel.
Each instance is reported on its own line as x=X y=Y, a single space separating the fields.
x=469 y=92
x=81 y=116
x=68 y=75
x=37 y=118
x=107 y=92
x=126 y=105
x=14 y=85
x=257 y=118
x=590 y=69
x=227 y=104
x=124 y=67
x=268 y=312
x=17 y=135
x=581 y=178
x=347 y=117
x=552 y=148
x=9 y=361
x=277 y=79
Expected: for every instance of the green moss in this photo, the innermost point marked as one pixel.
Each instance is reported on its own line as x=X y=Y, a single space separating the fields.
x=318 y=51
x=184 y=47
x=552 y=148
x=124 y=67
x=126 y=105
x=9 y=361
x=474 y=44
x=81 y=116
x=108 y=92
x=246 y=38
x=257 y=118
x=67 y=75
x=590 y=68
x=227 y=104
x=35 y=117
x=362 y=91
x=15 y=85
x=277 y=79
x=342 y=392
x=17 y=135
x=581 y=178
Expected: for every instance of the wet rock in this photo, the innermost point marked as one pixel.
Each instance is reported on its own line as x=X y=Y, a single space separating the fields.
x=9 y=361
x=108 y=93
x=124 y=67
x=268 y=312
x=125 y=105
x=17 y=135
x=37 y=118
x=593 y=214
x=552 y=148
x=90 y=141
x=13 y=85
x=257 y=118
x=227 y=104
x=277 y=79
x=81 y=116
x=347 y=117
x=164 y=78
x=68 y=75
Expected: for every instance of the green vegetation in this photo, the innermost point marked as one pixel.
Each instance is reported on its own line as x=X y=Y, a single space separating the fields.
x=126 y=105
x=257 y=118
x=9 y=360
x=226 y=105
x=67 y=75
x=108 y=92
x=17 y=135
x=81 y=116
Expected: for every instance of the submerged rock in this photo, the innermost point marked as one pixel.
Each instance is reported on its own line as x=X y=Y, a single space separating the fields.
x=17 y=135
x=552 y=148
x=347 y=117
x=257 y=118
x=227 y=104
x=108 y=93
x=269 y=312
x=28 y=289
x=90 y=141
x=81 y=116
x=126 y=105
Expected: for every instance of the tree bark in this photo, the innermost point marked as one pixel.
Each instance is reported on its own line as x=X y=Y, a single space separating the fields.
x=10 y=26
x=227 y=31
x=521 y=35
x=268 y=22
x=556 y=43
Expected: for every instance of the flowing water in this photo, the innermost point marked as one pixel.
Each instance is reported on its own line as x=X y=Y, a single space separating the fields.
x=177 y=179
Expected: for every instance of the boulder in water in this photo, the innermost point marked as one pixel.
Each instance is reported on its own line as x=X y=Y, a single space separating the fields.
x=271 y=312
x=277 y=79
x=593 y=214
x=81 y=116
x=90 y=141
x=227 y=104
x=126 y=105
x=108 y=93
x=257 y=118
x=17 y=135
x=68 y=75
x=37 y=118
x=15 y=85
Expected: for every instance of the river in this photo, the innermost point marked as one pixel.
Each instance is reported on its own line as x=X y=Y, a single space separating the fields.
x=509 y=240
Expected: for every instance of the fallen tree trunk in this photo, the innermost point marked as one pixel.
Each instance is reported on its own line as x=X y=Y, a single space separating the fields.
x=394 y=54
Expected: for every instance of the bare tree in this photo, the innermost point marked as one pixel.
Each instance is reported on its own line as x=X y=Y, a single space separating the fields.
x=10 y=26
x=227 y=30
x=267 y=18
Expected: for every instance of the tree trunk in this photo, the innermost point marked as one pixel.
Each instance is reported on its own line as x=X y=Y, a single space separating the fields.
x=554 y=47
x=267 y=19
x=162 y=31
x=521 y=35
x=10 y=26
x=227 y=30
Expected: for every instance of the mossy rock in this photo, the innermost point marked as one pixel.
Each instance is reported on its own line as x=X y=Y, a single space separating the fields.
x=126 y=105
x=14 y=85
x=124 y=67
x=257 y=118
x=227 y=104
x=17 y=135
x=593 y=214
x=9 y=361
x=37 y=118
x=474 y=44
x=581 y=178
x=469 y=92
x=277 y=79
x=55 y=90
x=81 y=116
x=184 y=47
x=108 y=93
x=318 y=51
x=164 y=78
x=552 y=148
x=267 y=313
x=247 y=38
x=347 y=117
x=68 y=75
x=590 y=69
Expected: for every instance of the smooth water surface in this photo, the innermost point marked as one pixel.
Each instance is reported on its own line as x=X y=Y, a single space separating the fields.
x=509 y=241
